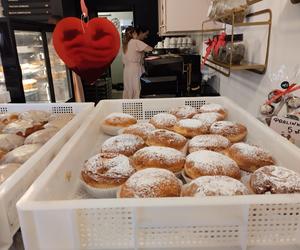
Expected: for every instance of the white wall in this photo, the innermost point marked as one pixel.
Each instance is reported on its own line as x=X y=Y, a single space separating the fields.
x=250 y=89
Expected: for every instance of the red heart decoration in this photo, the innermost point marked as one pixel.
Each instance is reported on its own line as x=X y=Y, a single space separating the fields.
x=86 y=48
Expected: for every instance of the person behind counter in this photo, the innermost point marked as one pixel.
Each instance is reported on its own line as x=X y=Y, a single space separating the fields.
x=133 y=55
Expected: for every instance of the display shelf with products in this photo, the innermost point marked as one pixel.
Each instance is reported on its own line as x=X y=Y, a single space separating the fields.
x=69 y=217
x=226 y=68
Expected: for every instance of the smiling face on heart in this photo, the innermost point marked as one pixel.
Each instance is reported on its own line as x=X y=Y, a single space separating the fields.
x=86 y=48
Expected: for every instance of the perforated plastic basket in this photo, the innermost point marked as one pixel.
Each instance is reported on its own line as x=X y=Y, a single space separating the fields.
x=15 y=186
x=55 y=213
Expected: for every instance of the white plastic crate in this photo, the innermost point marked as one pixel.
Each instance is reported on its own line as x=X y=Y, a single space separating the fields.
x=15 y=186
x=55 y=214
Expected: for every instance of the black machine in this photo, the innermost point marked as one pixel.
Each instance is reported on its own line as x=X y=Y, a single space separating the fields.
x=163 y=76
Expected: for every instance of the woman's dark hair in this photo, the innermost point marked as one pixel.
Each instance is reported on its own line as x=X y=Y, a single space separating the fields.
x=128 y=35
x=141 y=29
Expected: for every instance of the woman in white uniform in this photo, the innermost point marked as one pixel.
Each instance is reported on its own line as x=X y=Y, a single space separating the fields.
x=133 y=56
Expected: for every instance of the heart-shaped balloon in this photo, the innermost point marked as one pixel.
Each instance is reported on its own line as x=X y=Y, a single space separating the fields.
x=86 y=48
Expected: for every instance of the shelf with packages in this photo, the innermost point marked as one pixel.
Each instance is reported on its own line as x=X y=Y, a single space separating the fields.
x=227 y=68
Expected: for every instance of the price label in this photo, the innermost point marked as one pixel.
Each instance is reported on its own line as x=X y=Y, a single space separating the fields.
x=288 y=128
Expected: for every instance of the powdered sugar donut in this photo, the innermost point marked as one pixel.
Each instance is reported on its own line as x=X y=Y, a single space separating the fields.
x=209 y=118
x=9 y=142
x=235 y=132
x=184 y=112
x=20 y=154
x=37 y=116
x=41 y=136
x=214 y=186
x=159 y=157
x=163 y=121
x=250 y=157
x=275 y=179
x=116 y=121
x=142 y=129
x=151 y=183
x=202 y=163
x=213 y=107
x=21 y=128
x=162 y=137
x=125 y=144
x=215 y=143
x=191 y=127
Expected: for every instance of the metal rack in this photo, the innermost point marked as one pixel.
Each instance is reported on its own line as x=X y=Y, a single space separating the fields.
x=226 y=69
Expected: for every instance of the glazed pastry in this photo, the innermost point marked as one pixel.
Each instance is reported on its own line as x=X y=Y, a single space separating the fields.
x=151 y=183
x=235 y=132
x=249 y=157
x=41 y=136
x=275 y=179
x=21 y=128
x=142 y=129
x=159 y=157
x=217 y=143
x=202 y=163
x=190 y=128
x=213 y=107
x=37 y=116
x=7 y=170
x=165 y=138
x=184 y=112
x=20 y=154
x=9 y=142
x=164 y=121
x=209 y=118
x=214 y=186
x=125 y=144
x=106 y=170
x=116 y=121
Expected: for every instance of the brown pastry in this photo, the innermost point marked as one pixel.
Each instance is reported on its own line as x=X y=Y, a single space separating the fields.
x=165 y=138
x=202 y=163
x=125 y=144
x=249 y=157
x=275 y=179
x=159 y=157
x=213 y=107
x=164 y=121
x=116 y=121
x=41 y=136
x=184 y=112
x=142 y=129
x=21 y=128
x=9 y=142
x=214 y=186
x=235 y=132
x=217 y=143
x=151 y=183
x=37 y=116
x=209 y=118
x=190 y=128
x=7 y=170
x=106 y=170
x=8 y=118
x=20 y=154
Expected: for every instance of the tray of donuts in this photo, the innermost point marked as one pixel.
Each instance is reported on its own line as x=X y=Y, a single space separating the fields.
x=208 y=153
x=154 y=159
x=28 y=130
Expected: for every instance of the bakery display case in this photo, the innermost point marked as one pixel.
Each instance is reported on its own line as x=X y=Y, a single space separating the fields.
x=33 y=71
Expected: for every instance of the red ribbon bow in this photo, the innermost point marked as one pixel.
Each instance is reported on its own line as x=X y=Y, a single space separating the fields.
x=279 y=93
x=214 y=45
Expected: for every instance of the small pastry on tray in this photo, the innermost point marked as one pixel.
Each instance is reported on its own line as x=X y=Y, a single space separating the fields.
x=214 y=186
x=184 y=112
x=21 y=154
x=164 y=121
x=250 y=157
x=191 y=127
x=235 y=132
x=116 y=121
x=37 y=116
x=213 y=107
x=151 y=183
x=142 y=129
x=22 y=128
x=103 y=173
x=41 y=136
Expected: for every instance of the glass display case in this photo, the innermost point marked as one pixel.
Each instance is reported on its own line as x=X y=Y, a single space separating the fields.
x=32 y=69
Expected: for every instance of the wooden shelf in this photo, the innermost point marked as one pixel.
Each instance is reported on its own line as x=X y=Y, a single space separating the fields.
x=242 y=66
